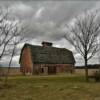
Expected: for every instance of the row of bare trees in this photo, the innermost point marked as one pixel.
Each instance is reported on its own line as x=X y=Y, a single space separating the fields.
x=83 y=34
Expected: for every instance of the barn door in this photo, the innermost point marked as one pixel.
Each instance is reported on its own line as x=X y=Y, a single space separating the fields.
x=51 y=70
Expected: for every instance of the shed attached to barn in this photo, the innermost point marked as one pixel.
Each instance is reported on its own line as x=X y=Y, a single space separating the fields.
x=45 y=59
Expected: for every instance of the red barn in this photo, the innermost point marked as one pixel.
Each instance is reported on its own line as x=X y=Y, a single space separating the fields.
x=45 y=59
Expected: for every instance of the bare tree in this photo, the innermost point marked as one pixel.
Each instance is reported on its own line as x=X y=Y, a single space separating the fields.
x=12 y=32
x=18 y=37
x=83 y=35
x=6 y=30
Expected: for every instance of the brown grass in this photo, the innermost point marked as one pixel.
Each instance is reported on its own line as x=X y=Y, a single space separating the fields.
x=53 y=87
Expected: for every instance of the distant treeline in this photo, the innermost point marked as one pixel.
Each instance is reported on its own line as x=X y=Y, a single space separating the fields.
x=94 y=66
x=13 y=71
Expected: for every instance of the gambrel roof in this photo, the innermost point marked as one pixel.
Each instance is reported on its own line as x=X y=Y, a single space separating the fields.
x=50 y=55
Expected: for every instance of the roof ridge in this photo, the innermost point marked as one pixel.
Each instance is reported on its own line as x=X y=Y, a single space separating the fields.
x=47 y=47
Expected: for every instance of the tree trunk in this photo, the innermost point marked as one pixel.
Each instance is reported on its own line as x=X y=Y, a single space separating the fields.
x=7 y=74
x=86 y=69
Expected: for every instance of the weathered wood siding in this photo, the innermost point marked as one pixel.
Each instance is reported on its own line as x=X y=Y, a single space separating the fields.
x=27 y=65
x=65 y=68
x=52 y=68
x=26 y=61
x=49 y=60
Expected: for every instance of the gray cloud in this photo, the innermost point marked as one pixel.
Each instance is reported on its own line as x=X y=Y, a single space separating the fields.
x=46 y=19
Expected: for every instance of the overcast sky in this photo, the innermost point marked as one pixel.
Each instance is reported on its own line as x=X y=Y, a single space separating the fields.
x=47 y=19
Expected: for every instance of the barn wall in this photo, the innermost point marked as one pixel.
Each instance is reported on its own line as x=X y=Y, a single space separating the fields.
x=52 y=68
x=65 y=68
x=40 y=69
x=26 y=62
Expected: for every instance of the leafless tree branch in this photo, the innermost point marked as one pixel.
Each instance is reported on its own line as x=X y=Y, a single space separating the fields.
x=83 y=35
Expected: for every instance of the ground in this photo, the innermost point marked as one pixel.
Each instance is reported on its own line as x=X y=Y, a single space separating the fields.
x=52 y=87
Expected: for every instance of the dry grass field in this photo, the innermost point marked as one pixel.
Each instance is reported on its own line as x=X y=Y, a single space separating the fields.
x=52 y=87
x=82 y=71
x=13 y=71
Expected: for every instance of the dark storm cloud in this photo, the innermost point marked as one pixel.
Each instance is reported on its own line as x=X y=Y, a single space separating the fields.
x=46 y=18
